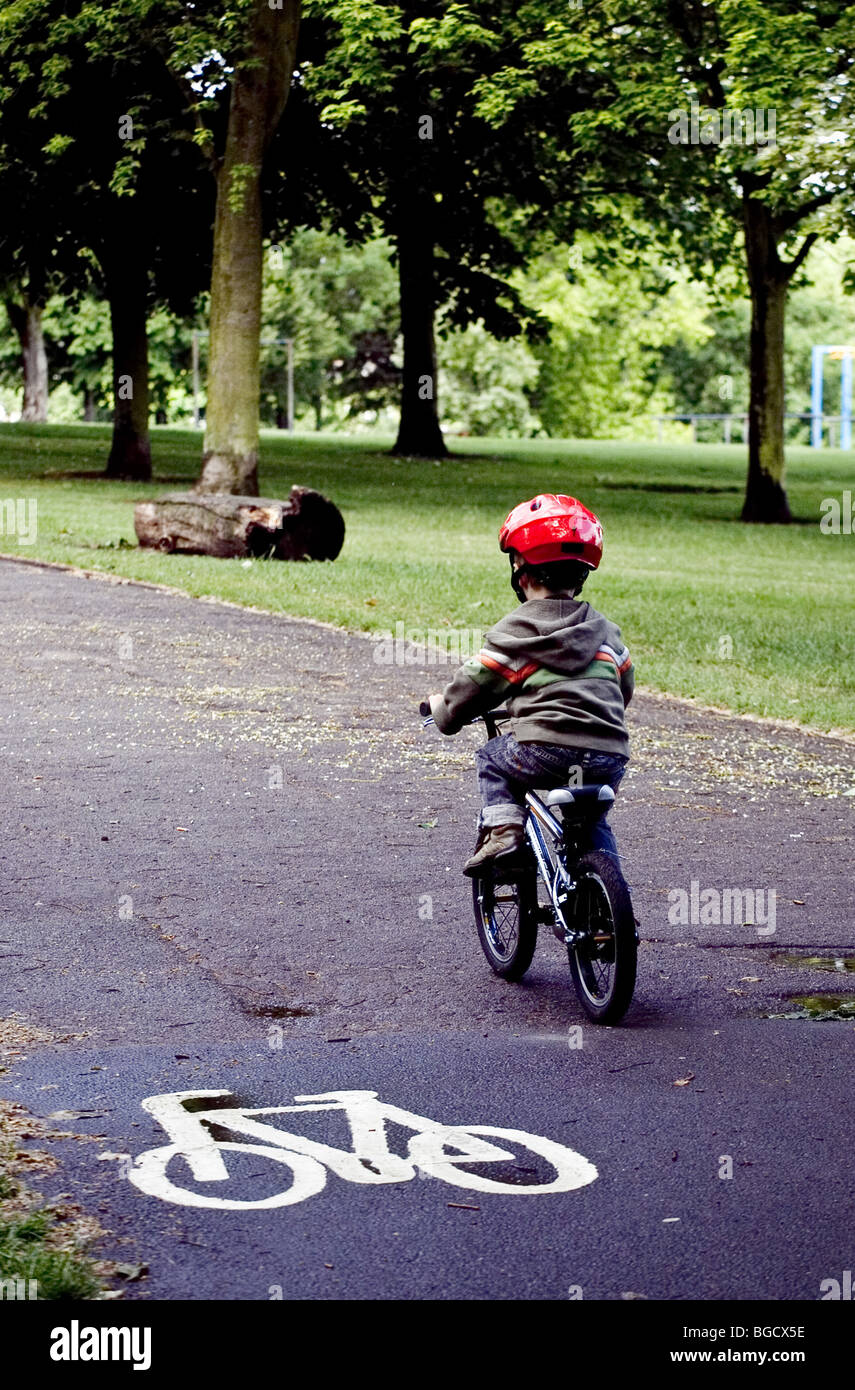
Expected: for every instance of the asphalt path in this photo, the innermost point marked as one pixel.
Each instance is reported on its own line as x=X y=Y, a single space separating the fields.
x=231 y=864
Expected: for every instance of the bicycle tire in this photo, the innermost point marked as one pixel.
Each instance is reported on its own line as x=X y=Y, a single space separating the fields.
x=602 y=901
x=508 y=937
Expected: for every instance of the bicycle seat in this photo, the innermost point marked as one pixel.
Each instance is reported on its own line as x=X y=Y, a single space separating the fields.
x=584 y=800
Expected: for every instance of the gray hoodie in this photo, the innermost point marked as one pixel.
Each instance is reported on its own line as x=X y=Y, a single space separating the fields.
x=561 y=669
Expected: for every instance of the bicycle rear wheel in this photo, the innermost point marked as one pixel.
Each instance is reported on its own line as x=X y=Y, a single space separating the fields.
x=603 y=965
x=505 y=905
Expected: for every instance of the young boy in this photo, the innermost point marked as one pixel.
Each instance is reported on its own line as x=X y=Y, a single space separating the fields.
x=560 y=667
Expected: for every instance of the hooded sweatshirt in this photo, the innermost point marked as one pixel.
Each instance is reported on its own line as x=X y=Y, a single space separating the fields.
x=562 y=671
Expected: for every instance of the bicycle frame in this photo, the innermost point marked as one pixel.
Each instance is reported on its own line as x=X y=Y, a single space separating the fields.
x=557 y=879
x=589 y=908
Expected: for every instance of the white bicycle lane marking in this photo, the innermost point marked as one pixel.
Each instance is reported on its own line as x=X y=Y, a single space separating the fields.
x=369 y=1161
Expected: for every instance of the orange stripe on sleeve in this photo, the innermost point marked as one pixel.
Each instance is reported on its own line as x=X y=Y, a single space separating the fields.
x=512 y=677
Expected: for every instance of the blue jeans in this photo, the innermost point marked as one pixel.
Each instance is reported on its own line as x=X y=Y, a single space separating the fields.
x=507 y=770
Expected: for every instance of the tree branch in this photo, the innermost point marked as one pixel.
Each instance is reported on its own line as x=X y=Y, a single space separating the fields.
x=272 y=55
x=789 y=268
x=17 y=315
x=206 y=146
x=791 y=219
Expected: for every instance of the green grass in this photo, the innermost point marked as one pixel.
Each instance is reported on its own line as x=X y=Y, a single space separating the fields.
x=35 y=1245
x=681 y=574
x=24 y=1255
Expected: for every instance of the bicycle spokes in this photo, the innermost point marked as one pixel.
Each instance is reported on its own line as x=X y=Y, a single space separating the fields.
x=501 y=917
x=595 y=950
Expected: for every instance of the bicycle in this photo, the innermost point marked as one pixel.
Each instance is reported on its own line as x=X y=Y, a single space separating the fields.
x=588 y=905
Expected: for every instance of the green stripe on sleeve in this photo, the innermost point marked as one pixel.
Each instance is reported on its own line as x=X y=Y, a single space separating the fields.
x=602 y=670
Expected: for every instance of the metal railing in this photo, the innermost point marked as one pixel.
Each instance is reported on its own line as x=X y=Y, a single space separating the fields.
x=817 y=423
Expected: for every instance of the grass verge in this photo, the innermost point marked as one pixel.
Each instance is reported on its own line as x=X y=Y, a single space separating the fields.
x=44 y=1246
x=754 y=619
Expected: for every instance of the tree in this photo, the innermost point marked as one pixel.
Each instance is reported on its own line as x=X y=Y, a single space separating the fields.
x=25 y=312
x=262 y=62
x=35 y=256
x=709 y=371
x=611 y=320
x=487 y=384
x=794 y=63
x=654 y=68
x=79 y=344
x=94 y=135
x=338 y=304
x=386 y=97
x=228 y=70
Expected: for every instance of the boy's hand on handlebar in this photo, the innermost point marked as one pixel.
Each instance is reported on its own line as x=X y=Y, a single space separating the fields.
x=426 y=709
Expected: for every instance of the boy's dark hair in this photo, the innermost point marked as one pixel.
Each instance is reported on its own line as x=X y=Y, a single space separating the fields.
x=556 y=575
x=560 y=574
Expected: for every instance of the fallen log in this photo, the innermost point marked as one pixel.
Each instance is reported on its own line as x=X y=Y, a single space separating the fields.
x=305 y=527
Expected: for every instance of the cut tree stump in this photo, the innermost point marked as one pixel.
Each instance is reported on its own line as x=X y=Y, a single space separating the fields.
x=306 y=527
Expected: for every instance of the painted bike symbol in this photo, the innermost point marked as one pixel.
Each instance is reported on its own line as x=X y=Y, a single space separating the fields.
x=434 y=1150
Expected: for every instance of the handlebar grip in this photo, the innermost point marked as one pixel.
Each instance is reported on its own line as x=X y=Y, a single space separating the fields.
x=424 y=709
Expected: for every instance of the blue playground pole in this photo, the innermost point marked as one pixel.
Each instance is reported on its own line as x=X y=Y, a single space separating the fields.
x=816 y=360
x=846 y=403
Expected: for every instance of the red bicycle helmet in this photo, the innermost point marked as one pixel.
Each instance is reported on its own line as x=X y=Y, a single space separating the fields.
x=553 y=527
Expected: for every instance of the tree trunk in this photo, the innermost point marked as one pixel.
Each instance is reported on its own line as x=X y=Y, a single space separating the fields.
x=259 y=91
x=127 y=290
x=89 y=405
x=765 y=495
x=306 y=527
x=26 y=319
x=419 y=432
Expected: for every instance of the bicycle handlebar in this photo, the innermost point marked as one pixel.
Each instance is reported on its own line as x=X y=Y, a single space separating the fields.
x=490 y=717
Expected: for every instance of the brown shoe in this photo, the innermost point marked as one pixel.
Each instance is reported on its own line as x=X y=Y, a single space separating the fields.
x=494 y=842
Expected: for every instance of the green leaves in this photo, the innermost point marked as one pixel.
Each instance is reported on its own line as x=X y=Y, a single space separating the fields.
x=498 y=96
x=365 y=56
x=240 y=178
x=344 y=112
x=57 y=145
x=452 y=34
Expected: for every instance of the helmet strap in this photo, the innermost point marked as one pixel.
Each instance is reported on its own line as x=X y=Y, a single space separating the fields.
x=516 y=573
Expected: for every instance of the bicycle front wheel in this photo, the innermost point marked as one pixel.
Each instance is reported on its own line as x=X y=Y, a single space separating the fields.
x=603 y=963
x=506 y=917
